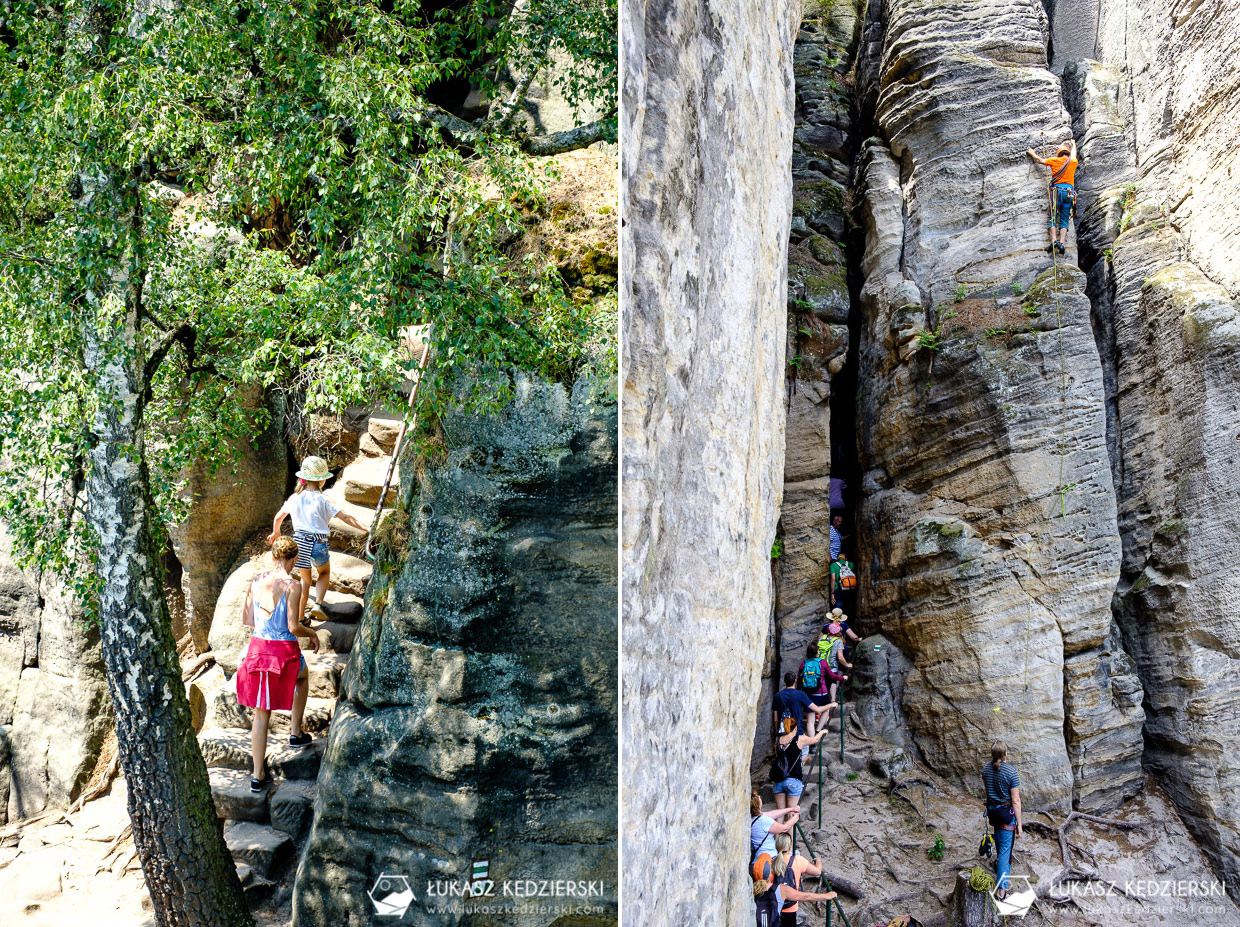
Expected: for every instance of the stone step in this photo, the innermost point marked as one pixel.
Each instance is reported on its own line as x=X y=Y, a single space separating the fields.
x=362 y=481
x=325 y=670
x=229 y=748
x=334 y=636
x=230 y=790
x=384 y=428
x=259 y=846
x=369 y=447
x=292 y=806
x=224 y=711
x=349 y=574
x=339 y=606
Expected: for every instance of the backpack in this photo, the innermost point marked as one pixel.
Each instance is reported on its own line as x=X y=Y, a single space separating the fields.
x=825 y=646
x=811 y=675
x=787 y=761
x=848 y=579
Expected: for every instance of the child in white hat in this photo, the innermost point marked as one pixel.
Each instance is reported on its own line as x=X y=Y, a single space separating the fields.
x=311 y=512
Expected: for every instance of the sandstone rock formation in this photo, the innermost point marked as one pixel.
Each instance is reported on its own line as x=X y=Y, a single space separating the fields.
x=1156 y=119
x=992 y=547
x=477 y=717
x=54 y=705
x=707 y=138
x=818 y=332
x=226 y=508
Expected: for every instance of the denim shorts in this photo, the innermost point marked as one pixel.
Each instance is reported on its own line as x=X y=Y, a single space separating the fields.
x=793 y=787
x=311 y=548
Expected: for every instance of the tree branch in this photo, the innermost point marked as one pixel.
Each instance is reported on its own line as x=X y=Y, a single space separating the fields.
x=569 y=139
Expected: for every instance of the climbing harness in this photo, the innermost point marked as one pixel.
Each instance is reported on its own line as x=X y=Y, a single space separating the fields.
x=418 y=373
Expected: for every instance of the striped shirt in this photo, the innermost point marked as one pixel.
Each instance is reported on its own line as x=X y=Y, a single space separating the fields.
x=999 y=783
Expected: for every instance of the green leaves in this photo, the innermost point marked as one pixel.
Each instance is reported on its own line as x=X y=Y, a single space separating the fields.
x=267 y=186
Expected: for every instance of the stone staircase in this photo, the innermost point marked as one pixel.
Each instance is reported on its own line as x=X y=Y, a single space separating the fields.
x=266 y=832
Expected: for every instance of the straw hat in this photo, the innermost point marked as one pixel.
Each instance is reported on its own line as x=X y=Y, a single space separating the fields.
x=313 y=469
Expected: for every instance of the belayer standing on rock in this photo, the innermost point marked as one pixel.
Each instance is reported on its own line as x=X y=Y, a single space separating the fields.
x=1062 y=193
x=311 y=512
x=1002 y=785
x=273 y=676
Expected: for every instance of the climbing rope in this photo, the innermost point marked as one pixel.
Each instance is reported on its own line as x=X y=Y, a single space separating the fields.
x=980 y=880
x=1061 y=490
x=423 y=360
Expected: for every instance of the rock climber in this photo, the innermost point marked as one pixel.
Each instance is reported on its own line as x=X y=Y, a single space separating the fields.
x=272 y=676
x=1002 y=785
x=1062 y=192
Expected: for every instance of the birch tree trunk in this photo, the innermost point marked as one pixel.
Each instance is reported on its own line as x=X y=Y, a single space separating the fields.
x=189 y=872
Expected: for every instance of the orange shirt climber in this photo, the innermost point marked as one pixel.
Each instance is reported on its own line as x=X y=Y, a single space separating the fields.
x=1062 y=191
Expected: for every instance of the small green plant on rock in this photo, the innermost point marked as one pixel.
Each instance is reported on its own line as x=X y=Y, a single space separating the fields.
x=1017 y=289
x=1030 y=310
x=936 y=852
x=962 y=291
x=1109 y=254
x=930 y=340
x=853 y=776
x=777 y=549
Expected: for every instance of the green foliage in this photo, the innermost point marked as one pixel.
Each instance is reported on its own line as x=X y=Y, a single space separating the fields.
x=1109 y=254
x=271 y=189
x=777 y=549
x=1030 y=310
x=1017 y=289
x=852 y=776
x=930 y=340
x=962 y=292
x=936 y=852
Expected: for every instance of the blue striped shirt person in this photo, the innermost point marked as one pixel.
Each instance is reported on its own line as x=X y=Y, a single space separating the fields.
x=1002 y=786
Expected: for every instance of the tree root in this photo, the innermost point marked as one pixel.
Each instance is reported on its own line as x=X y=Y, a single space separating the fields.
x=1059 y=830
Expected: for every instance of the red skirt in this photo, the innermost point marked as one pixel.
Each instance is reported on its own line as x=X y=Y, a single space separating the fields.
x=268 y=674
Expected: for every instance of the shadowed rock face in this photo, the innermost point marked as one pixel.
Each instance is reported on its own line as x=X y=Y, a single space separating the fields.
x=990 y=514
x=1158 y=122
x=54 y=705
x=477 y=718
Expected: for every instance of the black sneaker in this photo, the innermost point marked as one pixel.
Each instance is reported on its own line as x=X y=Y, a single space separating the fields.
x=1060 y=248
x=257 y=785
x=299 y=740
x=1050 y=249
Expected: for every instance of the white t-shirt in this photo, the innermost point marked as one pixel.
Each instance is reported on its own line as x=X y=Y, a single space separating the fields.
x=310 y=511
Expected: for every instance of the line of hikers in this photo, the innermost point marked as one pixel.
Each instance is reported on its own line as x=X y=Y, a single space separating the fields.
x=800 y=715
x=273 y=674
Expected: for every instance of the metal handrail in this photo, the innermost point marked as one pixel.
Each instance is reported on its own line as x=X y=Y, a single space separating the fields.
x=796 y=830
x=400 y=440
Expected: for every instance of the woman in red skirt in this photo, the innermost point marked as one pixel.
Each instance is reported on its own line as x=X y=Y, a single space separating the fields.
x=272 y=677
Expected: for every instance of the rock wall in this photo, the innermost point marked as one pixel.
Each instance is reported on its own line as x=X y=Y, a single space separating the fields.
x=991 y=546
x=1156 y=118
x=478 y=716
x=707 y=121
x=226 y=508
x=54 y=705
x=818 y=333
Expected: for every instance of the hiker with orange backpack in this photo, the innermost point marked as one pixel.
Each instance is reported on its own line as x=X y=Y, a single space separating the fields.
x=1062 y=192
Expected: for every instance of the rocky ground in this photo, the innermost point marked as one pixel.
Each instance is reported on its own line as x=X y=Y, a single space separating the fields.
x=876 y=831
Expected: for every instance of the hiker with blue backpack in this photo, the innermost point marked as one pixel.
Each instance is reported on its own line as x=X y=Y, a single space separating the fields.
x=791 y=702
x=814 y=683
